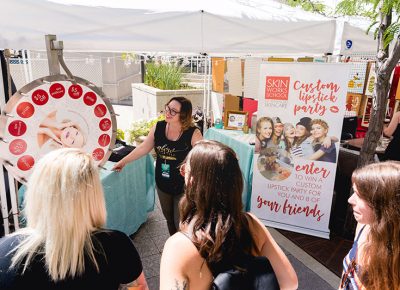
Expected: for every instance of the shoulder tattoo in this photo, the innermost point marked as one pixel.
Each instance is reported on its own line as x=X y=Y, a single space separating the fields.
x=180 y=285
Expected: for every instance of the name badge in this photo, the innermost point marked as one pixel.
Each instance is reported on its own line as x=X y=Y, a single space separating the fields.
x=165 y=170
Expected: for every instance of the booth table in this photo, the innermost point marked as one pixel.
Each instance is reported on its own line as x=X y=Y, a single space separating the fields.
x=358 y=143
x=239 y=142
x=129 y=194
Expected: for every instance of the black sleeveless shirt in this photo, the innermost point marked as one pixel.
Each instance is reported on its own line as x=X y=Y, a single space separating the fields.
x=393 y=149
x=170 y=155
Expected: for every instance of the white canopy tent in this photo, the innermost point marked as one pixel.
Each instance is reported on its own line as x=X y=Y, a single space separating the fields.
x=175 y=26
x=354 y=38
x=214 y=27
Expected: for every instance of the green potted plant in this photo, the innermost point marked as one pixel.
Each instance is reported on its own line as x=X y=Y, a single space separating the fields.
x=120 y=135
x=141 y=128
x=162 y=81
x=164 y=76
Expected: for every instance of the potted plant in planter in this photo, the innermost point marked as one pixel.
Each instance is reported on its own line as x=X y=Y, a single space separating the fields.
x=164 y=76
x=140 y=129
x=120 y=135
x=162 y=82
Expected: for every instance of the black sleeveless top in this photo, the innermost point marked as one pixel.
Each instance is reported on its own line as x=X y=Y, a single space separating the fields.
x=392 y=151
x=170 y=155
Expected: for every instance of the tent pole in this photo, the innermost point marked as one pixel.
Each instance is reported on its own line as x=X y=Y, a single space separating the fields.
x=3 y=191
x=208 y=65
x=54 y=65
x=205 y=112
x=24 y=62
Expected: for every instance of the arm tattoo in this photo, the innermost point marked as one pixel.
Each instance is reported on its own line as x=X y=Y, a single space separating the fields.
x=179 y=286
x=128 y=285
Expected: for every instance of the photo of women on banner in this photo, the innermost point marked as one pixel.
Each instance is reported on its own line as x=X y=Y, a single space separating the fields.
x=279 y=144
x=324 y=149
x=264 y=131
x=300 y=112
x=310 y=140
x=274 y=161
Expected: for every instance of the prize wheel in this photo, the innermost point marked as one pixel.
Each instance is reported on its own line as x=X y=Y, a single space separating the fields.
x=51 y=113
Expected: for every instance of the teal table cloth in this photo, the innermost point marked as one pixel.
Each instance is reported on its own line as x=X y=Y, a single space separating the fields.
x=240 y=143
x=129 y=194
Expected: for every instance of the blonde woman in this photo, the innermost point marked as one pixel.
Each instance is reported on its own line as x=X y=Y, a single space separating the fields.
x=64 y=244
x=264 y=132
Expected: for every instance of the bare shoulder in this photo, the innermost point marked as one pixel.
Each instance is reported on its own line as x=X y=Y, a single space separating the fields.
x=180 y=262
x=258 y=230
x=178 y=245
x=196 y=136
x=255 y=222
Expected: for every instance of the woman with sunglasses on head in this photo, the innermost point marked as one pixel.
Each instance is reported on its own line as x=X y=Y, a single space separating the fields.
x=215 y=234
x=172 y=140
x=374 y=260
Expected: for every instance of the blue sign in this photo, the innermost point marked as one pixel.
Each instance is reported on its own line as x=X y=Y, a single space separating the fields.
x=349 y=44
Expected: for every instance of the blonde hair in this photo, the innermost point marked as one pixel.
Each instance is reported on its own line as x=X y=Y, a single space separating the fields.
x=64 y=204
x=323 y=124
x=259 y=125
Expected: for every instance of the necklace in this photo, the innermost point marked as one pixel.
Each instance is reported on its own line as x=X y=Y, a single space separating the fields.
x=176 y=139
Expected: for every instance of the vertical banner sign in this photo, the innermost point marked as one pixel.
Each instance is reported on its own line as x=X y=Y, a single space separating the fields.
x=300 y=114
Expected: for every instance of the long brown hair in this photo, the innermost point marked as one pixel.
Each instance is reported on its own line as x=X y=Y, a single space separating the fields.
x=379 y=185
x=213 y=201
x=185 y=114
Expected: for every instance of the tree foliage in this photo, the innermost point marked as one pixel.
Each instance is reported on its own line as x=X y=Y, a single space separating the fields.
x=384 y=16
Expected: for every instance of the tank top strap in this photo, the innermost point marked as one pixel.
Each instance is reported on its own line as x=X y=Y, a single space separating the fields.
x=359 y=233
x=160 y=128
x=186 y=235
x=354 y=248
